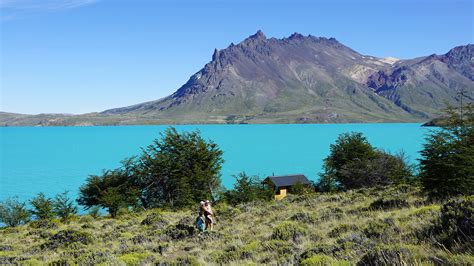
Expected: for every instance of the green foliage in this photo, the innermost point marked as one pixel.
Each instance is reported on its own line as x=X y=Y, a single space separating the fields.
x=42 y=207
x=299 y=189
x=388 y=203
x=288 y=231
x=134 y=258
x=177 y=170
x=112 y=190
x=455 y=226
x=247 y=189
x=354 y=163
x=447 y=164
x=322 y=260
x=13 y=212
x=68 y=238
x=63 y=206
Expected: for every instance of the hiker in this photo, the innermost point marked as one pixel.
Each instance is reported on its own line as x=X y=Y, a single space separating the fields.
x=201 y=223
x=206 y=211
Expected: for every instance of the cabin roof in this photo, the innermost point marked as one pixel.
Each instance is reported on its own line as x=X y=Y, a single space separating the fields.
x=287 y=180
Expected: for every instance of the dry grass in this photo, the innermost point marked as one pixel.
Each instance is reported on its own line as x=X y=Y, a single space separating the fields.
x=311 y=229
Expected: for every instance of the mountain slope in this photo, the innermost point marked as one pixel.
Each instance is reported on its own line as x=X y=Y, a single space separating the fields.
x=299 y=79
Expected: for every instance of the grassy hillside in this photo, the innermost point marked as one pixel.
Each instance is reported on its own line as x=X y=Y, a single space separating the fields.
x=367 y=226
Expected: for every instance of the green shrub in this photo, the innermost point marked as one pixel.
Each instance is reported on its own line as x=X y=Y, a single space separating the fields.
x=180 y=231
x=455 y=226
x=13 y=212
x=68 y=237
x=64 y=206
x=341 y=229
x=385 y=229
x=319 y=249
x=447 y=163
x=42 y=207
x=155 y=220
x=44 y=224
x=134 y=258
x=288 y=231
x=303 y=217
x=246 y=189
x=225 y=211
x=388 y=204
x=354 y=163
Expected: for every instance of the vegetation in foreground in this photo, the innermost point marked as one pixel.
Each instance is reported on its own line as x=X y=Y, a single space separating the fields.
x=395 y=224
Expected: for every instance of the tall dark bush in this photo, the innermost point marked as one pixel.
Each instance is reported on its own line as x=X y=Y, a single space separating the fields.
x=354 y=163
x=63 y=206
x=447 y=163
x=42 y=207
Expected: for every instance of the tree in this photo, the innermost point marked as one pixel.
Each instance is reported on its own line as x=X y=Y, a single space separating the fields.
x=42 y=207
x=111 y=190
x=247 y=189
x=447 y=163
x=13 y=212
x=354 y=163
x=63 y=206
x=178 y=170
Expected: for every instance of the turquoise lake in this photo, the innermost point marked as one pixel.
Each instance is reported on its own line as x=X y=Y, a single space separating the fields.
x=54 y=159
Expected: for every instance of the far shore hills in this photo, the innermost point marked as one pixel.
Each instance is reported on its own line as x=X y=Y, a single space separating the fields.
x=298 y=79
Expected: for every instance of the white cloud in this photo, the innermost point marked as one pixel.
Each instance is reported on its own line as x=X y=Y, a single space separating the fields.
x=14 y=9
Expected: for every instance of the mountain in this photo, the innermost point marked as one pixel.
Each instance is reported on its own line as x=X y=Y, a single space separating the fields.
x=303 y=79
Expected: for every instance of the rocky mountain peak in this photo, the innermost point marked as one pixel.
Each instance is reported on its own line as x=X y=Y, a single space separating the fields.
x=259 y=35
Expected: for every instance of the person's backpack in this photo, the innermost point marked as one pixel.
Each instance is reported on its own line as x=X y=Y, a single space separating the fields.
x=200 y=223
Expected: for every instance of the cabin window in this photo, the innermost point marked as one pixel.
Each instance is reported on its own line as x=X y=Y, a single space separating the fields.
x=277 y=191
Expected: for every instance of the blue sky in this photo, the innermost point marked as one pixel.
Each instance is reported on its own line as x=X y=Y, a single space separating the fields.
x=77 y=56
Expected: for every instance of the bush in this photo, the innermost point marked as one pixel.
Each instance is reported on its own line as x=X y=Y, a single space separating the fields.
x=388 y=204
x=43 y=224
x=134 y=258
x=42 y=207
x=447 y=163
x=454 y=228
x=63 y=206
x=354 y=163
x=247 y=189
x=112 y=190
x=303 y=217
x=180 y=231
x=156 y=220
x=288 y=231
x=384 y=229
x=68 y=238
x=13 y=212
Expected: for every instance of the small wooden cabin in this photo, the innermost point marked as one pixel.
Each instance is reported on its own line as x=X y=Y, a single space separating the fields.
x=281 y=184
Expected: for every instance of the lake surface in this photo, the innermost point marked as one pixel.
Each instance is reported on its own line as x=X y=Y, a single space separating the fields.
x=54 y=159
